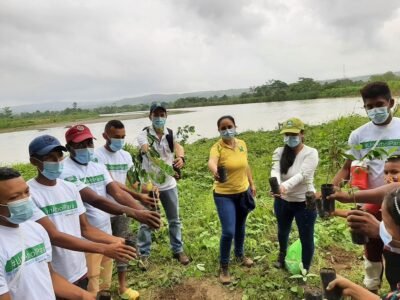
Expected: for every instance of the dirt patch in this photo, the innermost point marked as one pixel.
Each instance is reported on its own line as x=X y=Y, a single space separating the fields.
x=340 y=259
x=196 y=289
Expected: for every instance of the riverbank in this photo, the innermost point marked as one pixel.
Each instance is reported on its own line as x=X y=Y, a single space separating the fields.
x=90 y=119
x=201 y=228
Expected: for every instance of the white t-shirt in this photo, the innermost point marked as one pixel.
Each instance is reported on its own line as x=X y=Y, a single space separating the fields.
x=63 y=205
x=95 y=176
x=366 y=136
x=117 y=163
x=34 y=281
x=300 y=177
x=162 y=147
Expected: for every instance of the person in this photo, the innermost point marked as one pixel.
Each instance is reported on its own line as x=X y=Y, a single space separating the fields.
x=294 y=166
x=382 y=132
x=160 y=139
x=61 y=202
x=368 y=225
x=25 y=255
x=118 y=162
x=94 y=183
x=231 y=153
x=389 y=232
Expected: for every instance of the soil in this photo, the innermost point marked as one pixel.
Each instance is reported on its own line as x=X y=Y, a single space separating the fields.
x=196 y=289
x=340 y=259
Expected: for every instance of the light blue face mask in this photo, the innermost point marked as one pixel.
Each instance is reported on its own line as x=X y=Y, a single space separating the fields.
x=228 y=134
x=378 y=115
x=84 y=156
x=52 y=170
x=292 y=141
x=159 y=122
x=116 y=144
x=20 y=210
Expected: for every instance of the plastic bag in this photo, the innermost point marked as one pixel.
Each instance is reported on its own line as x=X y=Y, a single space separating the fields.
x=293 y=258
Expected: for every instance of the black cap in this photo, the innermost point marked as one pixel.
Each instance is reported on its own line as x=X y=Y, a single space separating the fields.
x=157 y=105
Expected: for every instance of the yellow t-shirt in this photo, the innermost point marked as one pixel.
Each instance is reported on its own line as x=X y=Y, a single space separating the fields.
x=235 y=163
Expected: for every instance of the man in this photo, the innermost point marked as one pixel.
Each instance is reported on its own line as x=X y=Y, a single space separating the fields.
x=94 y=183
x=61 y=202
x=382 y=132
x=118 y=162
x=25 y=272
x=161 y=139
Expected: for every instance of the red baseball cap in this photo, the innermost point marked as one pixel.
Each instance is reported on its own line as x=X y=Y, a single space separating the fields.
x=78 y=133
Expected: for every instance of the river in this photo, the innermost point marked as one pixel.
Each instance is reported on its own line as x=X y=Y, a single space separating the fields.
x=257 y=116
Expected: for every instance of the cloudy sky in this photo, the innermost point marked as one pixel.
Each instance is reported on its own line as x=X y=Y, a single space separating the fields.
x=88 y=50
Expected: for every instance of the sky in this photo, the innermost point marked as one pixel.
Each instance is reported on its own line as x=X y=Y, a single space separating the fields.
x=94 y=50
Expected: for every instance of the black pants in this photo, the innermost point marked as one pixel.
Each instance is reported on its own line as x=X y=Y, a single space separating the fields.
x=392 y=268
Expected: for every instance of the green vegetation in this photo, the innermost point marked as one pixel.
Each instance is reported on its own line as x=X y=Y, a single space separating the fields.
x=273 y=90
x=201 y=228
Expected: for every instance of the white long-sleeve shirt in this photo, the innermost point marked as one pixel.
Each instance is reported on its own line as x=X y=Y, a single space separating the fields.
x=300 y=177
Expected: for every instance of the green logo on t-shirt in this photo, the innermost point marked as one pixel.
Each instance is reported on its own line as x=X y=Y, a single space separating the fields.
x=30 y=253
x=117 y=167
x=59 y=208
x=93 y=179
x=381 y=144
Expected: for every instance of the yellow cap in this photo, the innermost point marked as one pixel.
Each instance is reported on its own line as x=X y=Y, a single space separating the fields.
x=293 y=125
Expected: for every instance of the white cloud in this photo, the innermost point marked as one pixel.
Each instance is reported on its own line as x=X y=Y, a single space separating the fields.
x=98 y=49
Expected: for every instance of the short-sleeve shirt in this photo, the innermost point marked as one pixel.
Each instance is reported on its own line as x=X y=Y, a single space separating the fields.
x=236 y=164
x=96 y=177
x=162 y=147
x=34 y=277
x=63 y=205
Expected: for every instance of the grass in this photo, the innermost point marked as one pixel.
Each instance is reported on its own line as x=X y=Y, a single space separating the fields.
x=201 y=228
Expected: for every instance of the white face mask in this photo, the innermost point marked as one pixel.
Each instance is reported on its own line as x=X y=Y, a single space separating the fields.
x=386 y=237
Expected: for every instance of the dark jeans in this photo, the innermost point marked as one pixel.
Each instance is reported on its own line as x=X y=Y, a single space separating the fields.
x=285 y=212
x=392 y=273
x=233 y=222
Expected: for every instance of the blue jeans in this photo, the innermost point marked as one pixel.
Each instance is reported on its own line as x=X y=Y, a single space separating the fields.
x=233 y=222
x=285 y=212
x=170 y=202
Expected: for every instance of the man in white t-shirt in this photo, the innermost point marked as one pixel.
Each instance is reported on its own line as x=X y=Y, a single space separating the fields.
x=118 y=162
x=94 y=183
x=61 y=202
x=382 y=132
x=25 y=254
x=159 y=138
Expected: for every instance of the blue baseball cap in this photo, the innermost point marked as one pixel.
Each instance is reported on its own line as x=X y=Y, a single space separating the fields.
x=44 y=144
x=155 y=106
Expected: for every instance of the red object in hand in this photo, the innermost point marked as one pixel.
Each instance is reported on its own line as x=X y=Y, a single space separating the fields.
x=359 y=177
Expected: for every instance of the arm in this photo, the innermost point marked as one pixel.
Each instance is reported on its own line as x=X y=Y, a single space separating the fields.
x=251 y=182
x=94 y=234
x=351 y=289
x=179 y=153
x=343 y=174
x=305 y=173
x=67 y=241
x=121 y=196
x=142 y=197
x=213 y=166
x=374 y=196
x=5 y=296
x=276 y=167
x=150 y=218
x=65 y=289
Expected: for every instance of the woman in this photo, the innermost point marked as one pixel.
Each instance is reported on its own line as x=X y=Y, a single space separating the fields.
x=294 y=166
x=389 y=232
x=231 y=193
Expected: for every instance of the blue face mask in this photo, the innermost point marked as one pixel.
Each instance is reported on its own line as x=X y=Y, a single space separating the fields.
x=116 y=144
x=228 y=134
x=20 y=210
x=52 y=170
x=378 y=115
x=84 y=156
x=159 y=122
x=292 y=141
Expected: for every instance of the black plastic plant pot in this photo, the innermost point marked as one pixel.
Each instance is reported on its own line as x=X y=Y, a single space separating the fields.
x=313 y=294
x=103 y=295
x=327 y=205
x=223 y=174
x=273 y=183
x=327 y=275
x=358 y=238
x=320 y=211
x=178 y=173
x=310 y=200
